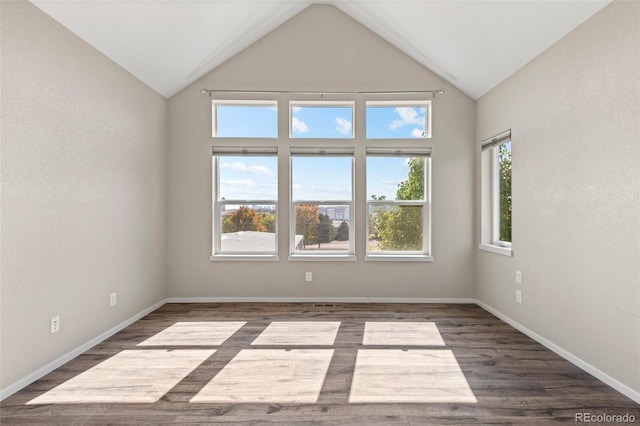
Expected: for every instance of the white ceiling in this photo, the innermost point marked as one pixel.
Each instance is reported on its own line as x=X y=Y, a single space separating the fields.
x=473 y=44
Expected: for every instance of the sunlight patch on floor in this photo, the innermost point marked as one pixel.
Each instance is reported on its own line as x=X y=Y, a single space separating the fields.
x=402 y=333
x=297 y=333
x=270 y=376
x=209 y=333
x=131 y=376
x=408 y=376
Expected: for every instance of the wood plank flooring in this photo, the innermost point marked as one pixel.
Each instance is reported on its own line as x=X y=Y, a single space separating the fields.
x=351 y=364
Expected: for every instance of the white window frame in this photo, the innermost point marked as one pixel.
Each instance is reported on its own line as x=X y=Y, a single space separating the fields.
x=246 y=103
x=490 y=197
x=400 y=104
x=321 y=254
x=323 y=104
x=218 y=205
x=405 y=255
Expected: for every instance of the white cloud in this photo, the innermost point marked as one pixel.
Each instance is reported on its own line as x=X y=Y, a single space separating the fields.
x=343 y=126
x=417 y=133
x=244 y=168
x=296 y=109
x=408 y=116
x=299 y=126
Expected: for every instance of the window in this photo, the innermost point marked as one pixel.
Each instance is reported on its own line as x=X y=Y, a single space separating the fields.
x=321 y=120
x=496 y=194
x=245 y=202
x=398 y=120
x=245 y=119
x=398 y=203
x=321 y=202
x=327 y=158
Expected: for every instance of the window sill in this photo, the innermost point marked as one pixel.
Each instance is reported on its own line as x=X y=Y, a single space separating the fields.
x=398 y=258
x=323 y=257
x=505 y=251
x=244 y=257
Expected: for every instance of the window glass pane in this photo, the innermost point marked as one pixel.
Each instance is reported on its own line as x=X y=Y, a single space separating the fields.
x=322 y=227
x=395 y=228
x=396 y=122
x=395 y=178
x=247 y=178
x=246 y=121
x=248 y=228
x=321 y=178
x=329 y=122
x=504 y=168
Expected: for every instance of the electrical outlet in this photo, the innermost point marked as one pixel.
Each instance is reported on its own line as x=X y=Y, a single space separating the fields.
x=113 y=299
x=518 y=277
x=308 y=276
x=54 y=324
x=518 y=296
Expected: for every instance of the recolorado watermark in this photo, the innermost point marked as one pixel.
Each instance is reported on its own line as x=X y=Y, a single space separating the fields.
x=604 y=418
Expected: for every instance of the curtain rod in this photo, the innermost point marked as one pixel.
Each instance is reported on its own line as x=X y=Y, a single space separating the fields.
x=404 y=92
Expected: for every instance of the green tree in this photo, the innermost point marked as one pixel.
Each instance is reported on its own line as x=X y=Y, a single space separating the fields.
x=325 y=230
x=504 y=154
x=243 y=219
x=342 y=234
x=413 y=187
x=307 y=218
x=400 y=227
x=269 y=221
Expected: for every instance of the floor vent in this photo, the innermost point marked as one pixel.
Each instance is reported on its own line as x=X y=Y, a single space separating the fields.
x=324 y=305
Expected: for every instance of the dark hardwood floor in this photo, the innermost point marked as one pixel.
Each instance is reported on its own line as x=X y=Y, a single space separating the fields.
x=501 y=376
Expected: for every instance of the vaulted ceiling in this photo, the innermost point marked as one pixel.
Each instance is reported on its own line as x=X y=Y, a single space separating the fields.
x=473 y=44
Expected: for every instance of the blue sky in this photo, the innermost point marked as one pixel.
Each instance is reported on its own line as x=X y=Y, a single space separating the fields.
x=314 y=178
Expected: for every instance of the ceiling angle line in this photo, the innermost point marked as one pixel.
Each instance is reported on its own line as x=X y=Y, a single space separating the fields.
x=210 y=92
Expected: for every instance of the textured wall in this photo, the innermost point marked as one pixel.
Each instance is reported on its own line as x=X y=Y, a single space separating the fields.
x=83 y=191
x=320 y=49
x=574 y=112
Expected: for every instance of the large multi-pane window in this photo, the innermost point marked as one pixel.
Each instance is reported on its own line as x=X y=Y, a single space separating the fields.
x=321 y=202
x=398 y=202
x=325 y=143
x=245 y=208
x=496 y=194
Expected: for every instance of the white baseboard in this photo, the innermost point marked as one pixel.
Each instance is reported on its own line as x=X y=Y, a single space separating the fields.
x=605 y=378
x=317 y=300
x=41 y=372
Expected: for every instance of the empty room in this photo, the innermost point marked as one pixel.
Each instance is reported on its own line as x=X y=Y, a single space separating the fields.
x=335 y=212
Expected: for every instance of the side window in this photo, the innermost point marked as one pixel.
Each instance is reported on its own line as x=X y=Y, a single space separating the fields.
x=496 y=194
x=245 y=202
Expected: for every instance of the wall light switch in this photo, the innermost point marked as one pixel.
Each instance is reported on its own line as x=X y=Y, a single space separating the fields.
x=519 y=277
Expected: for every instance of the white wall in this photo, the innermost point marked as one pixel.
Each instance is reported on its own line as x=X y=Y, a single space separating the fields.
x=83 y=191
x=320 y=49
x=574 y=112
